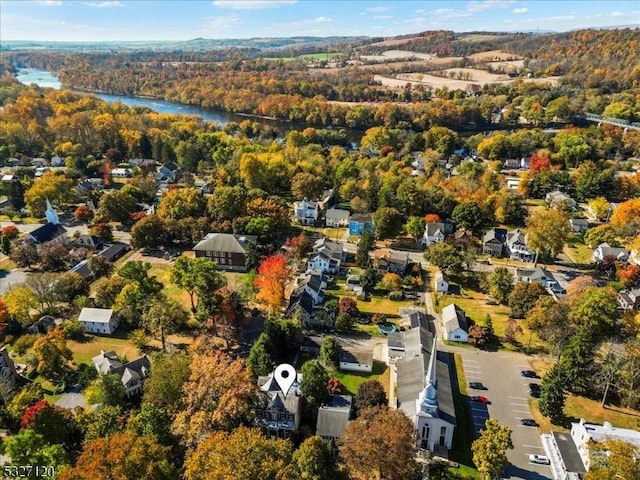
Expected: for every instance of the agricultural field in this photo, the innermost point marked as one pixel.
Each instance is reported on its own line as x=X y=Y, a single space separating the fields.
x=396 y=55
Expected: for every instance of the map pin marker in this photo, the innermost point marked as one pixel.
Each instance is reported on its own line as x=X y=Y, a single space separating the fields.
x=285 y=376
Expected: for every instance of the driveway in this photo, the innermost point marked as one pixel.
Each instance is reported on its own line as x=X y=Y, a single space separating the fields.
x=507 y=390
x=11 y=279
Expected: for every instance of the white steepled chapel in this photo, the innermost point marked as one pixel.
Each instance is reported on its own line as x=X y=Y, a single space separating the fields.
x=51 y=214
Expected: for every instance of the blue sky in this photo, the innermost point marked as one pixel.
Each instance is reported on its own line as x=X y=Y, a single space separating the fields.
x=104 y=20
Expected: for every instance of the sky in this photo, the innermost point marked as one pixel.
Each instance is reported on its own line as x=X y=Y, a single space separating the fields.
x=140 y=20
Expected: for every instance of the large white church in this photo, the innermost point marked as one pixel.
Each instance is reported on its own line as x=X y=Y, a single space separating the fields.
x=51 y=231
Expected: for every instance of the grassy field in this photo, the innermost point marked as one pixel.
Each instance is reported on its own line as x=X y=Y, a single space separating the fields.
x=352 y=380
x=382 y=305
x=163 y=272
x=83 y=352
x=476 y=307
x=334 y=233
x=577 y=251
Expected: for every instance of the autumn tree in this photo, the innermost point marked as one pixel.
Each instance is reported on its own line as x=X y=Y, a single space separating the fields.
x=218 y=396
x=314 y=460
x=52 y=355
x=55 y=188
x=391 y=281
x=107 y=290
x=523 y=297
x=380 y=444
x=122 y=456
x=547 y=231
x=244 y=454
x=149 y=232
x=107 y=390
x=626 y=217
x=365 y=244
x=54 y=257
x=24 y=252
x=55 y=424
x=116 y=206
x=600 y=207
x=272 y=274
x=578 y=286
x=370 y=394
x=226 y=203
x=198 y=276
x=306 y=185
x=500 y=284
x=182 y=203
x=480 y=336
x=82 y=213
x=490 y=449
x=415 y=228
x=297 y=248
x=164 y=316
x=445 y=256
x=387 y=221
x=30 y=448
x=596 y=313
x=4 y=317
x=103 y=231
x=164 y=386
x=612 y=458
x=549 y=319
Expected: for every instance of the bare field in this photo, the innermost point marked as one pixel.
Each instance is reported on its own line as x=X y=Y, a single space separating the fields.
x=493 y=56
x=479 y=37
x=394 y=42
x=404 y=65
x=396 y=54
x=508 y=64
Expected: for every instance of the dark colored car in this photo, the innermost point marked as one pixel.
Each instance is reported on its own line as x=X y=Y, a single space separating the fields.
x=528 y=422
x=529 y=374
x=534 y=390
x=480 y=399
x=477 y=386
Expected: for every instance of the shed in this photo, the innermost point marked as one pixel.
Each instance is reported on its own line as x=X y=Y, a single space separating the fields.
x=455 y=324
x=440 y=283
x=356 y=360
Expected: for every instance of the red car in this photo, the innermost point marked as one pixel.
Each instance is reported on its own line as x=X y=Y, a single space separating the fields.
x=480 y=399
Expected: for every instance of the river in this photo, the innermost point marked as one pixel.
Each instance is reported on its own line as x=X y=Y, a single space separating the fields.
x=43 y=78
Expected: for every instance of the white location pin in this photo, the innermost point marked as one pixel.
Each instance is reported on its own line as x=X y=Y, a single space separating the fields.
x=285 y=376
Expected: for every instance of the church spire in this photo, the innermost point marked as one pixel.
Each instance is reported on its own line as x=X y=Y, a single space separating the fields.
x=51 y=214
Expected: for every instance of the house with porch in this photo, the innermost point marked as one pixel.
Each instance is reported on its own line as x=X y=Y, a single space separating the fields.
x=132 y=374
x=539 y=275
x=629 y=299
x=516 y=243
x=359 y=222
x=391 y=261
x=494 y=241
x=434 y=232
x=305 y=212
x=278 y=413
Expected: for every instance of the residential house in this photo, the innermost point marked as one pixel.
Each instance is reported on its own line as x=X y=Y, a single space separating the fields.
x=455 y=324
x=144 y=163
x=302 y=304
x=605 y=250
x=305 y=212
x=434 y=232
x=132 y=374
x=228 y=251
x=313 y=282
x=114 y=251
x=337 y=218
x=558 y=199
x=326 y=256
x=423 y=385
x=326 y=199
x=334 y=418
x=353 y=283
x=579 y=225
x=517 y=246
x=512 y=163
x=586 y=434
x=356 y=360
x=57 y=161
x=92 y=242
x=8 y=372
x=168 y=173
x=311 y=344
x=440 y=283
x=121 y=173
x=513 y=183
x=539 y=275
x=98 y=320
x=391 y=261
x=629 y=299
x=494 y=241
x=51 y=231
x=278 y=413
x=359 y=222
x=43 y=325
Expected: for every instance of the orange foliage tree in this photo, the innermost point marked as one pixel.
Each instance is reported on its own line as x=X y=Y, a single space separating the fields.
x=538 y=163
x=629 y=275
x=4 y=316
x=272 y=273
x=627 y=216
x=432 y=218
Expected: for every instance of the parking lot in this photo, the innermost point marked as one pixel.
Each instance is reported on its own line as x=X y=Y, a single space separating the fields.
x=508 y=392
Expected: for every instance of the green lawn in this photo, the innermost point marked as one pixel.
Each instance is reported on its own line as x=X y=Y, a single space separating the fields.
x=334 y=233
x=382 y=305
x=577 y=251
x=352 y=380
x=163 y=272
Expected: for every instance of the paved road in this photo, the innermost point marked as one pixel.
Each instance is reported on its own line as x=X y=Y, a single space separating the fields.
x=11 y=279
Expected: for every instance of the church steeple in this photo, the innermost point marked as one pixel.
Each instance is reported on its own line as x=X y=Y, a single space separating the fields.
x=51 y=214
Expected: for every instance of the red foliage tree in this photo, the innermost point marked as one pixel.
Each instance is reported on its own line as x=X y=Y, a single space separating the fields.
x=334 y=386
x=538 y=164
x=55 y=424
x=135 y=216
x=272 y=273
x=297 y=247
x=432 y=218
x=82 y=213
x=4 y=316
x=629 y=275
x=348 y=305
x=10 y=231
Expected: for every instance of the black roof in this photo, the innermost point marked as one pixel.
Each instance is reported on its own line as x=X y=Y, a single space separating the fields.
x=114 y=251
x=569 y=452
x=48 y=232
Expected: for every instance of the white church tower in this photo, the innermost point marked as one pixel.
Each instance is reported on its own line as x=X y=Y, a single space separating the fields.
x=51 y=214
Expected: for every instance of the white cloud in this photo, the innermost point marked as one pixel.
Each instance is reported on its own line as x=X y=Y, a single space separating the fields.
x=477 y=6
x=221 y=23
x=252 y=4
x=617 y=14
x=382 y=17
x=379 y=9
x=105 y=4
x=520 y=10
x=49 y=3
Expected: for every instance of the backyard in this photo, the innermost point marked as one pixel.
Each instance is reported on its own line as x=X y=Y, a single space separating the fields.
x=352 y=380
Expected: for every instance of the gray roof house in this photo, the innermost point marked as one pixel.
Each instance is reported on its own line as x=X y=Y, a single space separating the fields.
x=98 y=320
x=132 y=374
x=579 y=225
x=540 y=275
x=423 y=385
x=494 y=241
x=455 y=324
x=557 y=198
x=629 y=299
x=337 y=218
x=334 y=418
x=434 y=232
x=278 y=414
x=227 y=250
x=604 y=250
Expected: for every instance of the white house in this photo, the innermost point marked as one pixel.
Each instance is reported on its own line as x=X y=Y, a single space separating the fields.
x=132 y=374
x=305 y=212
x=352 y=360
x=440 y=283
x=539 y=275
x=336 y=217
x=121 y=172
x=98 y=320
x=558 y=199
x=455 y=325
x=434 y=232
x=605 y=250
x=579 y=225
x=517 y=246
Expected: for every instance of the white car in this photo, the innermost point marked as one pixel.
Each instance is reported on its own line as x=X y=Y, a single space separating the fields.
x=541 y=459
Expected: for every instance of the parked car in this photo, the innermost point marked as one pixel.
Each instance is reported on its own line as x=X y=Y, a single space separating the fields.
x=477 y=386
x=540 y=459
x=534 y=390
x=480 y=399
x=528 y=422
x=529 y=374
